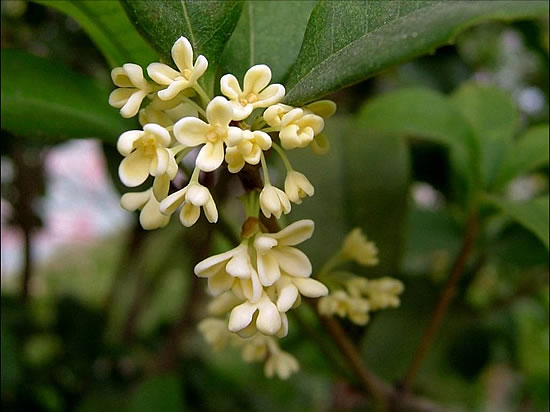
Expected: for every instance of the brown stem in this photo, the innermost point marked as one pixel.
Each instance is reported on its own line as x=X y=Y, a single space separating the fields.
x=447 y=295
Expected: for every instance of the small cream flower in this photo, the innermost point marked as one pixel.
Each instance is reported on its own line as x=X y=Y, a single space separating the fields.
x=273 y=115
x=166 y=112
x=275 y=254
x=246 y=148
x=148 y=202
x=297 y=186
x=340 y=303
x=255 y=349
x=215 y=332
x=274 y=201
x=132 y=89
x=383 y=293
x=298 y=128
x=188 y=74
x=193 y=197
x=145 y=153
x=255 y=93
x=357 y=248
x=281 y=363
x=289 y=288
x=320 y=144
x=263 y=314
x=193 y=132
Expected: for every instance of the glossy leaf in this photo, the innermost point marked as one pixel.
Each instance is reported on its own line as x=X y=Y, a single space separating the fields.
x=110 y=29
x=424 y=113
x=207 y=24
x=531 y=214
x=48 y=102
x=493 y=118
x=527 y=153
x=348 y=41
x=268 y=32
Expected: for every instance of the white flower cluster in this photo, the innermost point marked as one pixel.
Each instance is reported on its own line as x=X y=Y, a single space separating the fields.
x=356 y=296
x=260 y=280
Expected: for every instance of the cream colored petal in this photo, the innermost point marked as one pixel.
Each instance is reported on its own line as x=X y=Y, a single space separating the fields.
x=306 y=136
x=134 y=201
x=270 y=95
x=268 y=269
x=219 y=111
x=285 y=202
x=310 y=287
x=219 y=283
x=235 y=136
x=291 y=117
x=239 y=265
x=197 y=195
x=189 y=214
x=134 y=169
x=180 y=111
x=289 y=137
x=210 y=156
x=262 y=139
x=253 y=157
x=135 y=74
x=241 y=316
x=172 y=202
x=201 y=64
x=191 y=131
x=132 y=106
x=172 y=169
x=173 y=90
x=210 y=210
x=150 y=217
x=292 y=261
x=273 y=115
x=295 y=233
x=281 y=333
x=323 y=108
x=182 y=54
x=125 y=143
x=311 y=120
x=119 y=97
x=120 y=78
x=210 y=266
x=269 y=320
x=161 y=185
x=256 y=79
x=229 y=86
x=162 y=73
x=234 y=159
x=161 y=134
x=287 y=297
x=159 y=163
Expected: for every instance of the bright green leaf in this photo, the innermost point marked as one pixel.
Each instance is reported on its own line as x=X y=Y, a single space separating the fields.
x=207 y=24
x=527 y=153
x=531 y=214
x=110 y=29
x=270 y=33
x=348 y=41
x=425 y=114
x=493 y=118
x=58 y=104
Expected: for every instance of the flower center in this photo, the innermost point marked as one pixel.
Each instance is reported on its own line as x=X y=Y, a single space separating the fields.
x=187 y=73
x=216 y=133
x=149 y=145
x=251 y=98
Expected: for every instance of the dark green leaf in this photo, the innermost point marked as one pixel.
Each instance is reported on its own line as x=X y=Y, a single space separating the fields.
x=110 y=29
x=527 y=153
x=493 y=118
x=50 y=103
x=161 y=393
x=532 y=214
x=348 y=41
x=426 y=114
x=207 y=24
x=270 y=33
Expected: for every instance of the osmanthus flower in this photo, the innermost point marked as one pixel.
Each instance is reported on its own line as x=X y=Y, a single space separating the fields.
x=192 y=131
x=147 y=201
x=193 y=197
x=166 y=112
x=297 y=186
x=133 y=88
x=356 y=247
x=298 y=128
x=344 y=305
x=188 y=74
x=287 y=290
x=282 y=364
x=274 y=201
x=383 y=293
x=146 y=152
x=246 y=148
x=262 y=315
x=275 y=253
x=255 y=93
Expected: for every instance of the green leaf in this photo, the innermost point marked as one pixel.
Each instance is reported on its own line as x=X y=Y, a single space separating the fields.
x=110 y=29
x=531 y=214
x=527 y=153
x=426 y=114
x=49 y=103
x=346 y=42
x=207 y=24
x=270 y=33
x=493 y=118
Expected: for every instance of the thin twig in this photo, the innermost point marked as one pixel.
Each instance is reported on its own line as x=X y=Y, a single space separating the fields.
x=447 y=295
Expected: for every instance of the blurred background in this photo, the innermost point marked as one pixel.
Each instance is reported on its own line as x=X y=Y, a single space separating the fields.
x=99 y=314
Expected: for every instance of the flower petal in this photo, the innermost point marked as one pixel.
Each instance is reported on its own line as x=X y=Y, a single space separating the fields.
x=256 y=78
x=204 y=268
x=159 y=163
x=310 y=287
x=161 y=185
x=172 y=91
x=269 y=319
x=239 y=265
x=210 y=210
x=229 y=86
x=162 y=73
x=120 y=77
x=270 y=95
x=134 y=169
x=287 y=297
x=132 y=106
x=201 y=64
x=119 y=97
x=172 y=202
x=219 y=283
x=295 y=233
x=150 y=217
x=189 y=214
x=135 y=74
x=241 y=316
x=293 y=261
x=191 y=131
x=262 y=139
x=234 y=159
x=210 y=156
x=125 y=143
x=134 y=201
x=268 y=269
x=161 y=134
x=182 y=54
x=219 y=111
x=197 y=194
